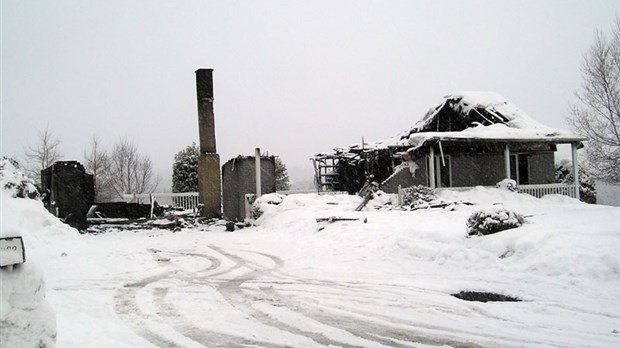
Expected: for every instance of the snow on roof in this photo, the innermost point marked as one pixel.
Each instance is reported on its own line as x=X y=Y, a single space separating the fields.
x=465 y=103
x=474 y=115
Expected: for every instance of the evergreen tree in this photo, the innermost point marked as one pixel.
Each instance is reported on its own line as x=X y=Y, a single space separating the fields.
x=282 y=179
x=185 y=170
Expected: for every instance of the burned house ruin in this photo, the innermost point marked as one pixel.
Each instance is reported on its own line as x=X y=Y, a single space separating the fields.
x=68 y=191
x=468 y=139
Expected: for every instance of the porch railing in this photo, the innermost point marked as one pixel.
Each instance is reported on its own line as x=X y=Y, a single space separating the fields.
x=548 y=189
x=184 y=200
x=534 y=190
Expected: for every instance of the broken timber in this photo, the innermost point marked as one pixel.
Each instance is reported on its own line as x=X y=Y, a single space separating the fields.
x=335 y=218
x=324 y=221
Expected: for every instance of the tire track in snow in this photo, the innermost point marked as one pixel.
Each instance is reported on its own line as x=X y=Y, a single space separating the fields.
x=126 y=307
x=202 y=336
x=243 y=297
x=368 y=330
x=240 y=299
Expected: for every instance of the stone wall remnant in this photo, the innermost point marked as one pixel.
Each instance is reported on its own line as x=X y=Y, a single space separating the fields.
x=239 y=179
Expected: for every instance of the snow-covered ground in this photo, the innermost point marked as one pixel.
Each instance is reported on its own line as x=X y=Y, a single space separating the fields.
x=383 y=280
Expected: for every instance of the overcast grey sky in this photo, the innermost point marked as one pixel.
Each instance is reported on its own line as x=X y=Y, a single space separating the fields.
x=291 y=77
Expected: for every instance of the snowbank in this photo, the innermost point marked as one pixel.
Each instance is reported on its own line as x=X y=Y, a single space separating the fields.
x=26 y=319
x=560 y=237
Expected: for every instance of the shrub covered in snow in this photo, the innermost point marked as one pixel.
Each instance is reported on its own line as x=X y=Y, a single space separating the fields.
x=493 y=220
x=416 y=195
x=13 y=180
x=587 y=185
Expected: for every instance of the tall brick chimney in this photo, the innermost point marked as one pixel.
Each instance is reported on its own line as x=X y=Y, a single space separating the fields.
x=209 y=177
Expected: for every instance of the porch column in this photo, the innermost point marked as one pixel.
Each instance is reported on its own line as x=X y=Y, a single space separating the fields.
x=507 y=161
x=573 y=147
x=431 y=168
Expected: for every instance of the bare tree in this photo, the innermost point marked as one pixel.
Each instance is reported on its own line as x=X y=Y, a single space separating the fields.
x=97 y=162
x=129 y=171
x=597 y=117
x=43 y=154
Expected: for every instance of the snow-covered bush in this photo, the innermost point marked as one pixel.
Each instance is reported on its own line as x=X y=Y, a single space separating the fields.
x=13 y=180
x=415 y=195
x=507 y=184
x=493 y=220
x=587 y=185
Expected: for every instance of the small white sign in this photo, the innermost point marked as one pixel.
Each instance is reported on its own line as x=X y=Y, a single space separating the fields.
x=12 y=251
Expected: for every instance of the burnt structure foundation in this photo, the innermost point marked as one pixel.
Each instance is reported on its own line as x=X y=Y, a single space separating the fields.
x=209 y=177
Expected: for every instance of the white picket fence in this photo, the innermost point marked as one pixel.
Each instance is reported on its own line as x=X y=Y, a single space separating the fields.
x=184 y=200
x=534 y=190
x=549 y=189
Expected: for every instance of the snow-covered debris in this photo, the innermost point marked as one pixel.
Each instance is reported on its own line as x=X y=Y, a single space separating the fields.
x=265 y=204
x=416 y=195
x=507 y=184
x=13 y=180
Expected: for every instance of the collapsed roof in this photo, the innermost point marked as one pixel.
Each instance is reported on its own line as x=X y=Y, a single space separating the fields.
x=466 y=116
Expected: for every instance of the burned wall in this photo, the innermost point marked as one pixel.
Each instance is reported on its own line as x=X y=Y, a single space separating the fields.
x=481 y=169
x=542 y=168
x=409 y=175
x=69 y=192
x=239 y=179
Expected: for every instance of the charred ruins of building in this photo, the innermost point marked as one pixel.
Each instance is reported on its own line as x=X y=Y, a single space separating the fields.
x=68 y=192
x=469 y=139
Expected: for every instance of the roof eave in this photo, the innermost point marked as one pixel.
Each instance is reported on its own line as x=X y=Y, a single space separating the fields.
x=550 y=140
